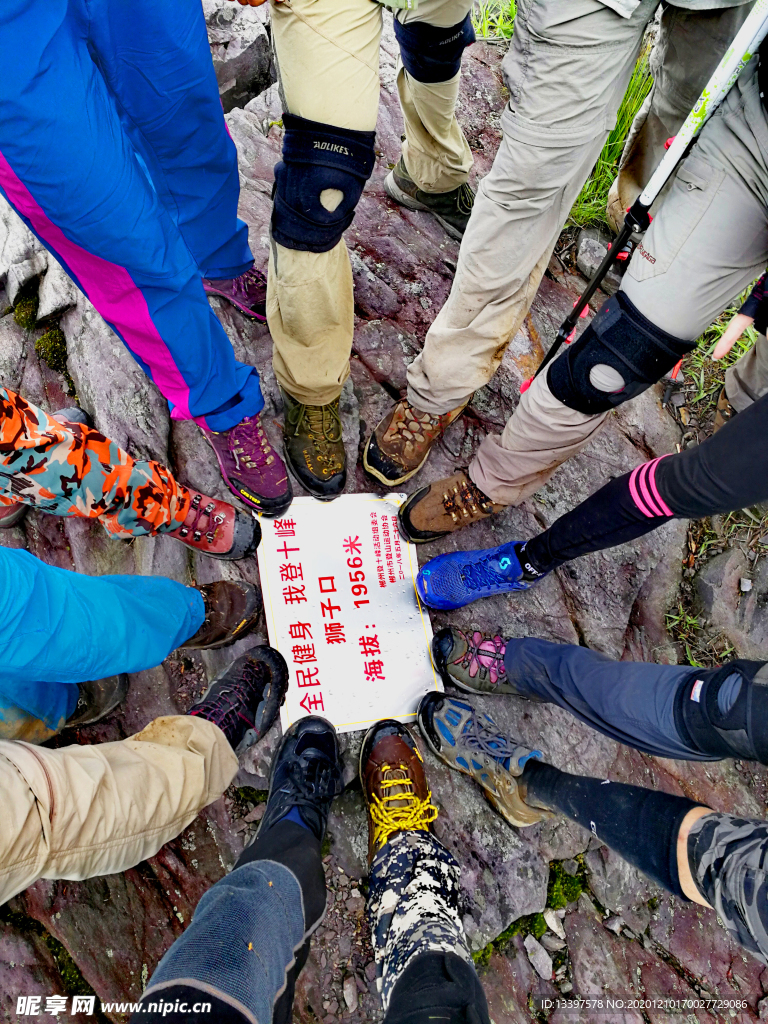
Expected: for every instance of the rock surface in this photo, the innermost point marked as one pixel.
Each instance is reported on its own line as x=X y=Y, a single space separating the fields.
x=637 y=941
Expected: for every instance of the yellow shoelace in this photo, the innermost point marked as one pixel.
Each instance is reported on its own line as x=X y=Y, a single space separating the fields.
x=411 y=813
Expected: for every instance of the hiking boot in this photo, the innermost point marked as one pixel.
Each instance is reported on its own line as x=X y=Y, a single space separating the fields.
x=401 y=443
x=244 y=699
x=724 y=412
x=97 y=699
x=231 y=612
x=444 y=506
x=12 y=515
x=395 y=788
x=452 y=209
x=450 y=581
x=251 y=467
x=473 y=662
x=469 y=741
x=248 y=293
x=314 y=449
x=218 y=529
x=305 y=775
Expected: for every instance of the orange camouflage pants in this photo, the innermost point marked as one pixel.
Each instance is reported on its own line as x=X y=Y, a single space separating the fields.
x=74 y=470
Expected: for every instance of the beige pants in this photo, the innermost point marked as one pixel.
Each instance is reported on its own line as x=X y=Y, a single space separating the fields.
x=567 y=71
x=748 y=379
x=81 y=811
x=328 y=58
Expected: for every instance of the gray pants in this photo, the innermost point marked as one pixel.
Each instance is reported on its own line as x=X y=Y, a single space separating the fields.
x=567 y=71
x=632 y=702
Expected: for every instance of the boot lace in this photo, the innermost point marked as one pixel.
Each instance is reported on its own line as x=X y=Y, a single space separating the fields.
x=401 y=810
x=250 y=444
x=244 y=284
x=200 y=513
x=483 y=576
x=236 y=700
x=478 y=658
x=465 y=197
x=324 y=429
x=313 y=783
x=481 y=736
x=466 y=500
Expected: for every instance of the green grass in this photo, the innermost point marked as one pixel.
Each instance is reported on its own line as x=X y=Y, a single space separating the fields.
x=562 y=889
x=494 y=19
x=704 y=376
x=590 y=206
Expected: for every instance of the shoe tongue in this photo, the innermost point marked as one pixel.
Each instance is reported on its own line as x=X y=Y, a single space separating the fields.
x=404 y=791
x=494 y=747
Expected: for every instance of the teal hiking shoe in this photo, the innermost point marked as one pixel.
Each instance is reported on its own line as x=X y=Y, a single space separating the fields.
x=469 y=741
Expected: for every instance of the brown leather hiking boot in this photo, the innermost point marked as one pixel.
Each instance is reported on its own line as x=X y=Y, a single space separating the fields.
x=395 y=788
x=231 y=611
x=452 y=209
x=314 y=448
x=444 y=506
x=401 y=443
x=724 y=412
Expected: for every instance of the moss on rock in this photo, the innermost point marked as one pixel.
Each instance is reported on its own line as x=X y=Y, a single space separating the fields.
x=52 y=347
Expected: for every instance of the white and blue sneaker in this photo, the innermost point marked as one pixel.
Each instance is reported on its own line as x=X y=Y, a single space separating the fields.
x=469 y=741
x=461 y=577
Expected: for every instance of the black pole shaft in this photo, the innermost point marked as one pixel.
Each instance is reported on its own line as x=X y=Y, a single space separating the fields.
x=637 y=219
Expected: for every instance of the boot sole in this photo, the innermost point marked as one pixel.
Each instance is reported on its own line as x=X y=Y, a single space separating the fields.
x=492 y=799
x=313 y=492
x=396 y=193
x=14 y=518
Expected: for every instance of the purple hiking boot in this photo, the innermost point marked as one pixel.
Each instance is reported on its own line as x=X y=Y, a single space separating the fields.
x=248 y=292
x=251 y=467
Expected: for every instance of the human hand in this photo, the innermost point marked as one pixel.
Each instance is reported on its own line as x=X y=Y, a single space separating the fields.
x=733 y=332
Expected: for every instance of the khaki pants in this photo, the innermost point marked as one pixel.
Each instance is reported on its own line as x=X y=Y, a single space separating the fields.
x=567 y=69
x=328 y=59
x=81 y=811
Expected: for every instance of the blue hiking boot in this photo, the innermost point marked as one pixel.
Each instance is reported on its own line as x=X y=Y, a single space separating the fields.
x=453 y=580
x=468 y=740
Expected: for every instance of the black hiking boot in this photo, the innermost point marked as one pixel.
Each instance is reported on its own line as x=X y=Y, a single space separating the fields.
x=314 y=449
x=97 y=699
x=452 y=209
x=306 y=774
x=244 y=699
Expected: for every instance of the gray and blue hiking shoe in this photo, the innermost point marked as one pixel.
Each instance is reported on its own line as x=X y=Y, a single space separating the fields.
x=469 y=741
x=461 y=577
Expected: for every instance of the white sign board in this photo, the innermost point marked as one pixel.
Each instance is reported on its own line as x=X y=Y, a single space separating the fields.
x=341 y=607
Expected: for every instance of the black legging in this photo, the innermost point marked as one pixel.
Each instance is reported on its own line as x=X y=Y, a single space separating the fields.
x=728 y=471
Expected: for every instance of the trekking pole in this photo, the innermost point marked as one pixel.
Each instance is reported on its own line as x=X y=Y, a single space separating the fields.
x=738 y=55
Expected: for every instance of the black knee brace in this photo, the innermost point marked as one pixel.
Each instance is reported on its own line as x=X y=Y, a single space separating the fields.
x=317 y=157
x=432 y=54
x=621 y=338
x=740 y=731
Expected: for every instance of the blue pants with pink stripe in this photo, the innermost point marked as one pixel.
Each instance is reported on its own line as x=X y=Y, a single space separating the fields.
x=115 y=153
x=728 y=471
